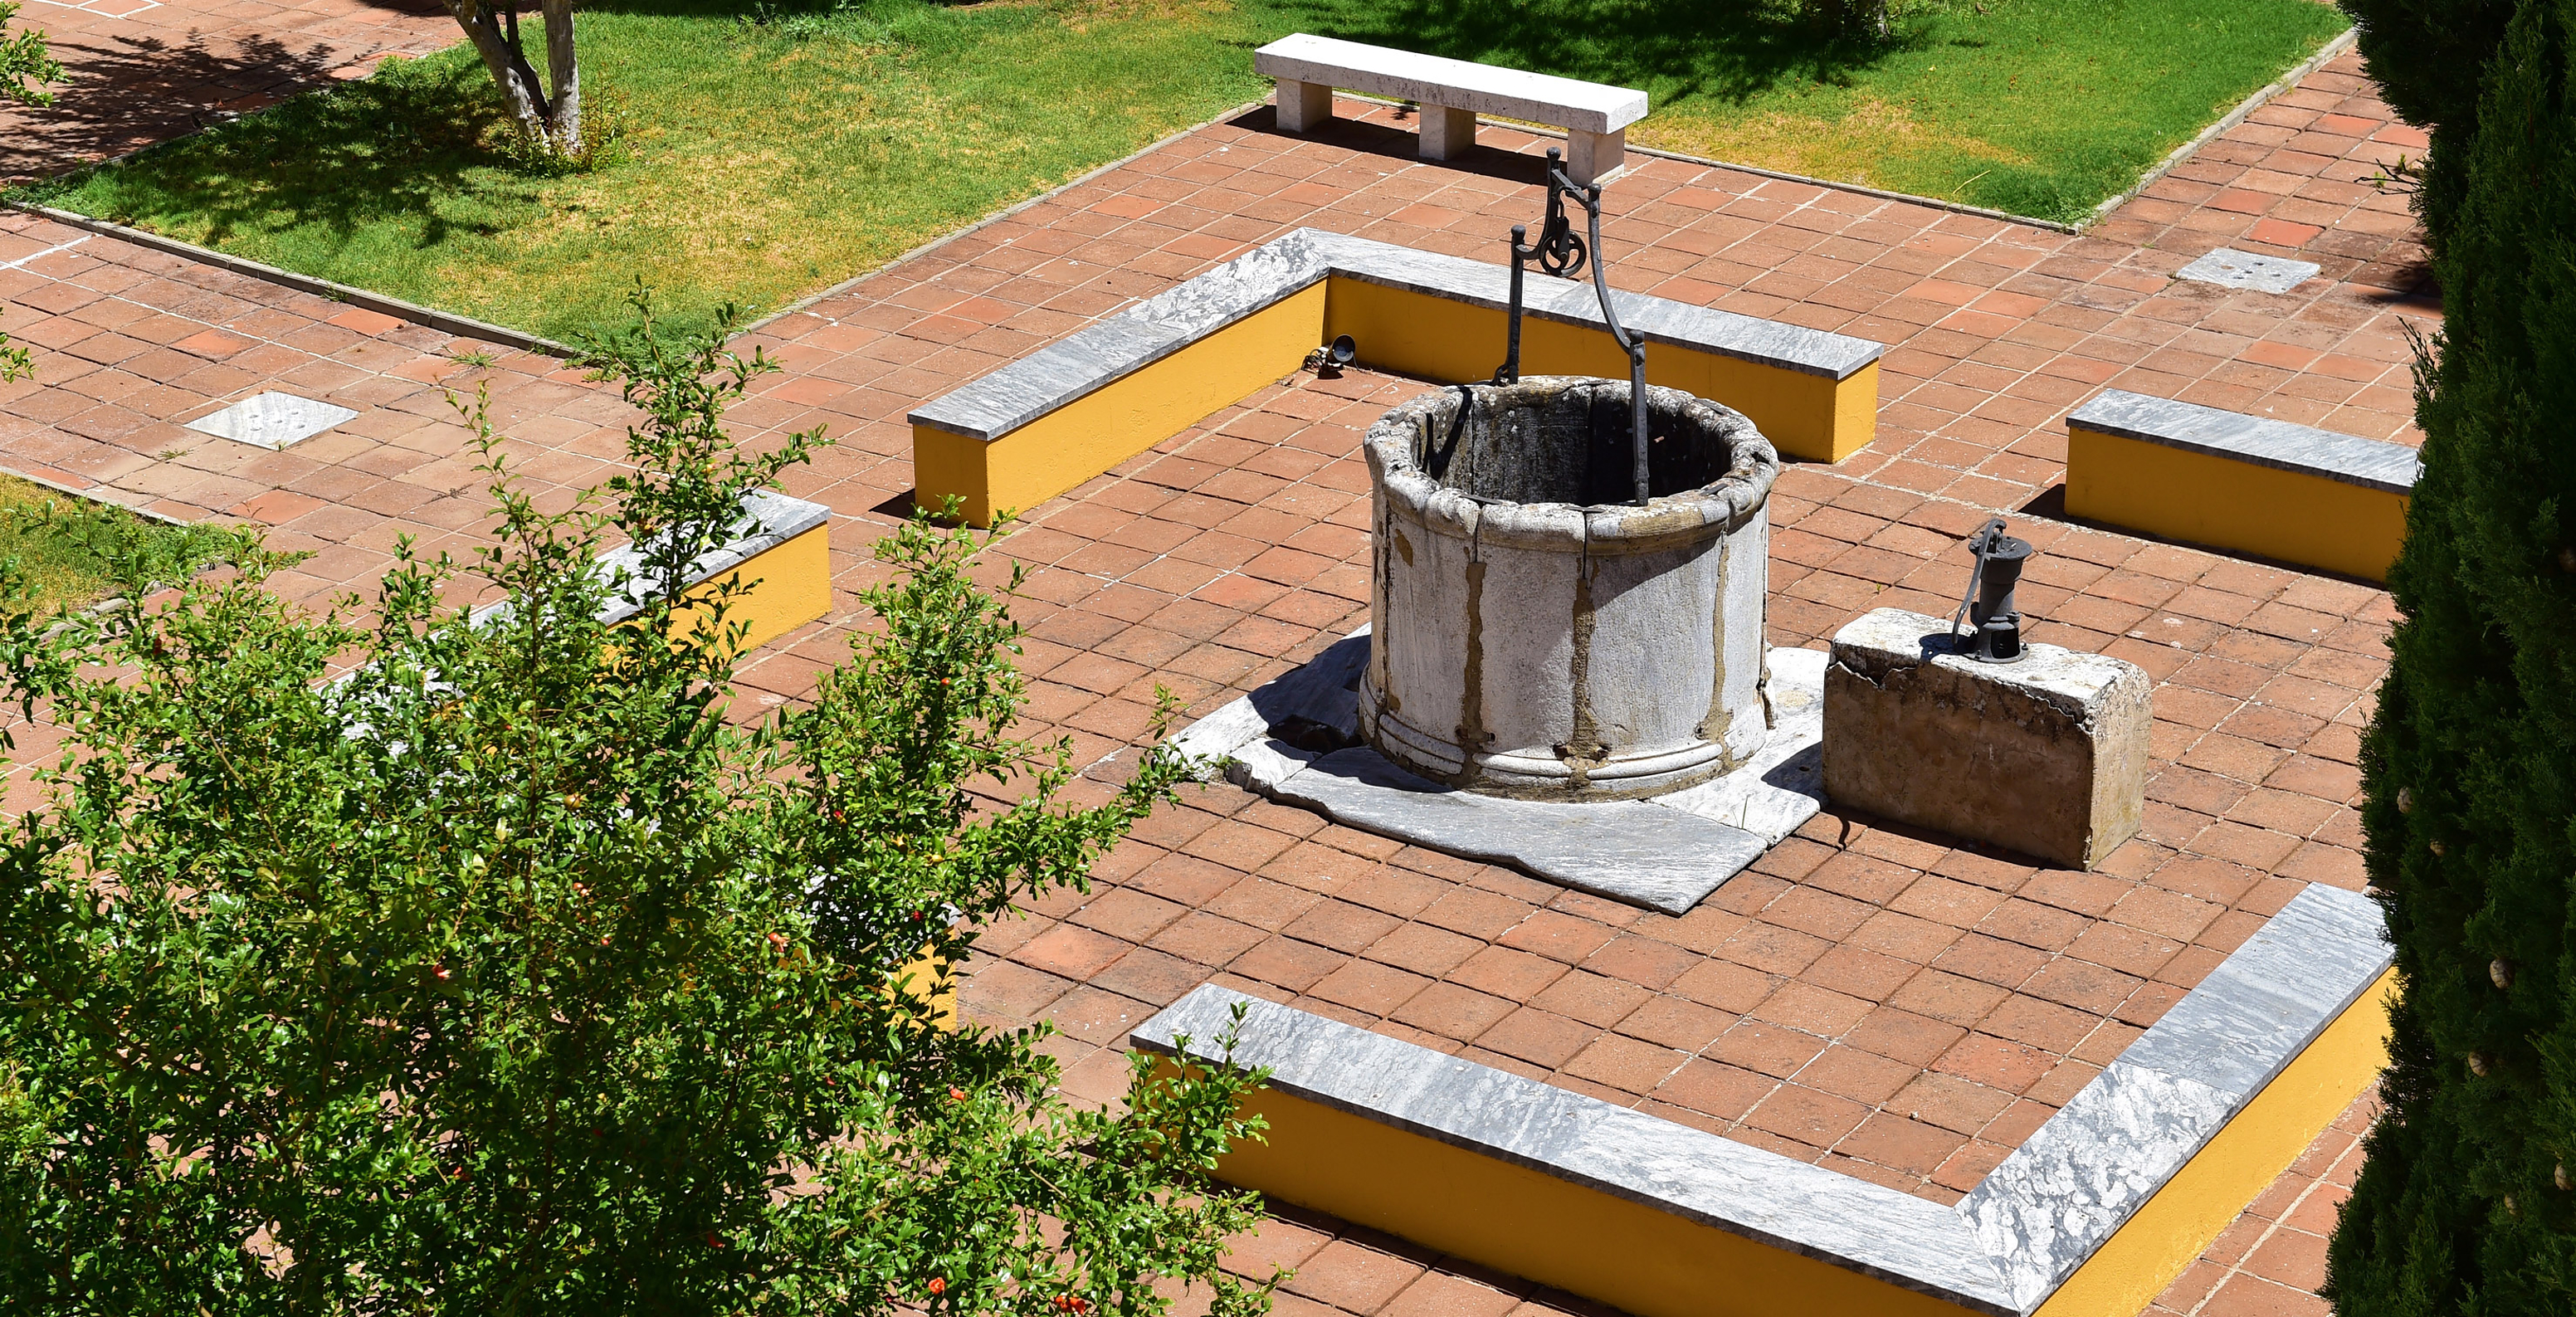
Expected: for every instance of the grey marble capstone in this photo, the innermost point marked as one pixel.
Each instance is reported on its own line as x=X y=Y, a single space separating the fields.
x=2057 y=1197
x=1090 y=358
x=272 y=420
x=1666 y=853
x=1431 y=80
x=2004 y=1249
x=769 y=519
x=2230 y=268
x=2370 y=463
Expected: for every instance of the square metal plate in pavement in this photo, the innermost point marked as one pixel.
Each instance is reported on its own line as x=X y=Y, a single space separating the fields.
x=272 y=420
x=2229 y=268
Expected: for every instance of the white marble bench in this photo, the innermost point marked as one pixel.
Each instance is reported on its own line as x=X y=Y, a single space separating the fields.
x=1451 y=92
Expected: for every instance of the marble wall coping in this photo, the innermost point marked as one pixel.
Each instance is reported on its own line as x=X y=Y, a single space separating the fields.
x=1460 y=84
x=2004 y=1249
x=769 y=519
x=1083 y=362
x=2370 y=463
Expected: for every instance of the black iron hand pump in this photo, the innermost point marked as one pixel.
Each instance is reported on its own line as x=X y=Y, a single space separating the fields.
x=1987 y=608
x=1559 y=252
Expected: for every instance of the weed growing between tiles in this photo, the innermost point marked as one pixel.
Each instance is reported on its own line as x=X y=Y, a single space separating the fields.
x=509 y=972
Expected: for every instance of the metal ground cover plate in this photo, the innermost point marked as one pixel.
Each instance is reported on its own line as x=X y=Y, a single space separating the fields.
x=2229 y=268
x=272 y=420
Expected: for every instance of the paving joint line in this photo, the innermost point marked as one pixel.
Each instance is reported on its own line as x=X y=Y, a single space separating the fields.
x=38 y=256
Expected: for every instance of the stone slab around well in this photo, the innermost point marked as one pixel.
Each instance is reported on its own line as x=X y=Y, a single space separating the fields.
x=1293 y=741
x=2047 y=756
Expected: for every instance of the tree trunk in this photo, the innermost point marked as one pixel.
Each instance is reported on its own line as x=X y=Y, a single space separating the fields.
x=563 y=70
x=493 y=26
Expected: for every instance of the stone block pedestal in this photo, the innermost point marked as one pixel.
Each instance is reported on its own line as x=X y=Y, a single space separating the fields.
x=2047 y=756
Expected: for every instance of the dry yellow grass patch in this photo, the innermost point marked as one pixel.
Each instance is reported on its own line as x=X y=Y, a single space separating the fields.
x=1857 y=145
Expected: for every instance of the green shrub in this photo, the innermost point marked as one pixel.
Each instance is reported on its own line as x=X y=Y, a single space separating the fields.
x=517 y=970
x=2465 y=1203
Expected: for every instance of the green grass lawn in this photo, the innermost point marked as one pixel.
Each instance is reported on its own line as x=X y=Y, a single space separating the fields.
x=771 y=151
x=64 y=569
x=2036 y=107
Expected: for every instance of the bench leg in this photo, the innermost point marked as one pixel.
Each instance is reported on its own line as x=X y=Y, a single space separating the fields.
x=1447 y=134
x=1304 y=106
x=1591 y=156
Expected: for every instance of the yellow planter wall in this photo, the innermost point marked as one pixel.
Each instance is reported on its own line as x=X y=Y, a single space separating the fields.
x=791 y=585
x=1122 y=418
x=1421 y=334
x=2249 y=1153
x=1414 y=333
x=2201 y=498
x=1525 y=1223
x=1657 y=1263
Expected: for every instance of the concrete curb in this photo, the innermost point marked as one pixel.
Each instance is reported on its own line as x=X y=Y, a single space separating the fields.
x=2179 y=154
x=468 y=327
x=90 y=496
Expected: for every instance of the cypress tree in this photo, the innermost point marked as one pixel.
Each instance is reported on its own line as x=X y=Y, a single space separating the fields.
x=2425 y=54
x=2465 y=1205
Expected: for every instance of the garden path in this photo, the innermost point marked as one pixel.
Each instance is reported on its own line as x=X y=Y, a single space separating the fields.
x=1236 y=548
x=144 y=71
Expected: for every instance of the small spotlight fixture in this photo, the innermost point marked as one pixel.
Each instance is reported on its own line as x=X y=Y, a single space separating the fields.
x=1327 y=361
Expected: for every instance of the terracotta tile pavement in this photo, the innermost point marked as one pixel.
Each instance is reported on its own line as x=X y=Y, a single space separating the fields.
x=131 y=344
x=144 y=71
x=1870 y=997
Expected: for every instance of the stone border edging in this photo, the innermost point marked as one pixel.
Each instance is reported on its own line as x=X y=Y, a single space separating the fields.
x=1110 y=349
x=2004 y=1249
x=1863 y=189
x=2299 y=449
x=2333 y=47
x=2249 y=105
x=430 y=317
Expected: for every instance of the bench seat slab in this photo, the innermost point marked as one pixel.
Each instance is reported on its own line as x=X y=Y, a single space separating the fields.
x=1451 y=92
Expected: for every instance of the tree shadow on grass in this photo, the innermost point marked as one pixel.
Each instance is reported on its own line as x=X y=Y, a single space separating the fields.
x=339 y=159
x=1728 y=50
x=129 y=91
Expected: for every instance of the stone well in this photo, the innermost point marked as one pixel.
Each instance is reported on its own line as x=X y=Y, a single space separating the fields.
x=1536 y=635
